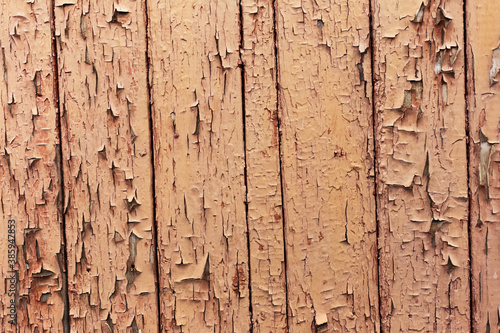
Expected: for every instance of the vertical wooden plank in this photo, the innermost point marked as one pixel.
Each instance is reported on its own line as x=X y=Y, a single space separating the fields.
x=107 y=164
x=199 y=165
x=29 y=170
x=327 y=145
x=483 y=46
x=422 y=165
x=265 y=220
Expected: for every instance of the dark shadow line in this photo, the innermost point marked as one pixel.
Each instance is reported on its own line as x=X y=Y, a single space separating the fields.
x=375 y=155
x=468 y=153
x=154 y=235
x=280 y=140
x=61 y=197
x=243 y=108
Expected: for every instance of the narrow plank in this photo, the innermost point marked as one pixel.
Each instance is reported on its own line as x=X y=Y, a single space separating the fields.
x=422 y=165
x=483 y=56
x=30 y=169
x=107 y=165
x=327 y=154
x=265 y=218
x=199 y=165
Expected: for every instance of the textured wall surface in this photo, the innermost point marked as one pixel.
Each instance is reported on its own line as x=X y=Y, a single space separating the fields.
x=483 y=61
x=249 y=166
x=421 y=141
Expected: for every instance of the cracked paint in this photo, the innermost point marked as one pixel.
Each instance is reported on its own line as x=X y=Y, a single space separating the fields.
x=327 y=164
x=101 y=48
x=422 y=171
x=483 y=56
x=199 y=165
x=265 y=221
x=30 y=169
x=268 y=178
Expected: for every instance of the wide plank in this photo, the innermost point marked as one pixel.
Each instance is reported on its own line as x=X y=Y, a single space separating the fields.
x=422 y=196
x=107 y=163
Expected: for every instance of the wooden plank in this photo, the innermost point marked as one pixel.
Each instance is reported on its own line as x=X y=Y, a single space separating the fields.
x=29 y=169
x=483 y=56
x=422 y=165
x=265 y=220
x=199 y=165
x=327 y=155
x=107 y=165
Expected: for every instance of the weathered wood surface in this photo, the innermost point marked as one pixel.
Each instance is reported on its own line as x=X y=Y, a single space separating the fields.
x=483 y=55
x=199 y=164
x=250 y=165
x=101 y=48
x=265 y=209
x=29 y=169
x=422 y=203
x=327 y=154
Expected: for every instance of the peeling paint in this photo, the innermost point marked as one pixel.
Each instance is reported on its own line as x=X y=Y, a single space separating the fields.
x=483 y=63
x=101 y=47
x=199 y=165
x=264 y=196
x=419 y=77
x=29 y=172
x=327 y=165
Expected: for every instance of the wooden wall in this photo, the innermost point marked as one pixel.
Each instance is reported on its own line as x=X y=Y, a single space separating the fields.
x=250 y=166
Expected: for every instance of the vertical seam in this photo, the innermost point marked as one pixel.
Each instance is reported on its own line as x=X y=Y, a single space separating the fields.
x=61 y=197
x=468 y=152
x=280 y=157
x=375 y=154
x=245 y=174
x=154 y=235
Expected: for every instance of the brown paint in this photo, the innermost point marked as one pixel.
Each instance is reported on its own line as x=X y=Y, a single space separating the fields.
x=325 y=110
x=200 y=186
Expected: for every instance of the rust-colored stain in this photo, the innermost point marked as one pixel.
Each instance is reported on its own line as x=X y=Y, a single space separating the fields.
x=239 y=280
